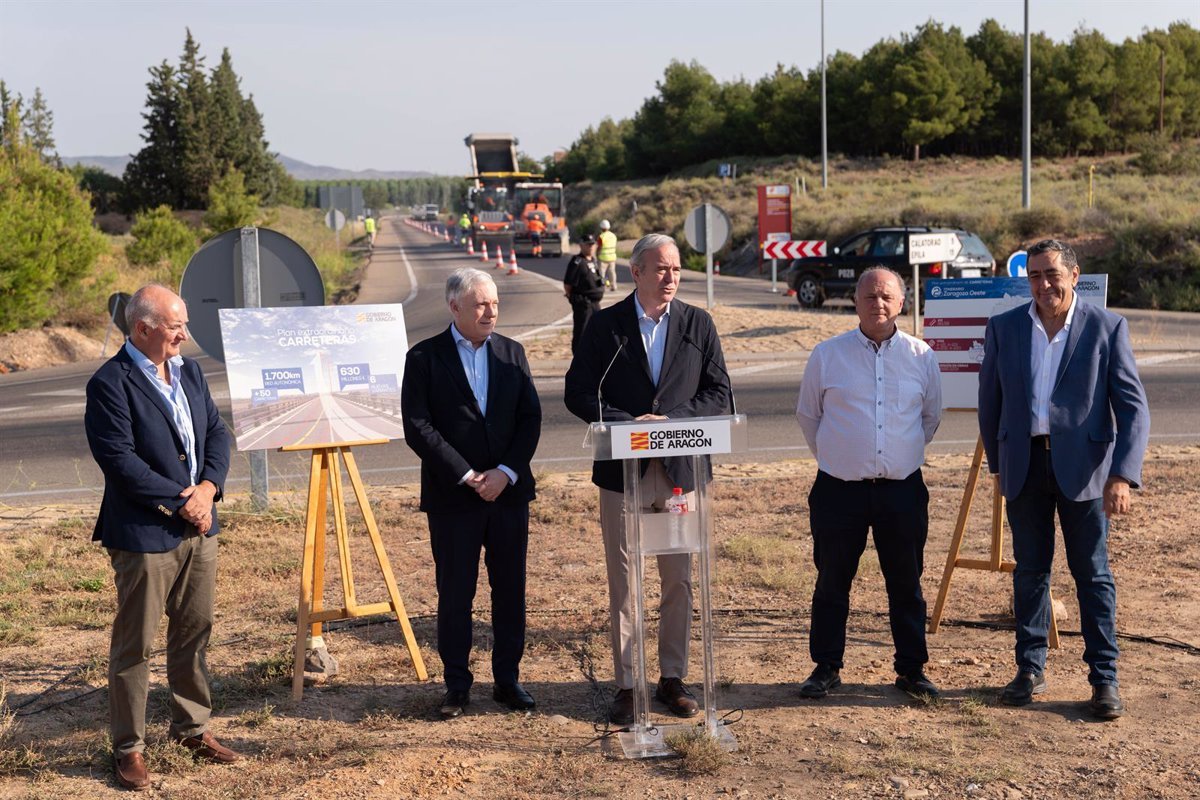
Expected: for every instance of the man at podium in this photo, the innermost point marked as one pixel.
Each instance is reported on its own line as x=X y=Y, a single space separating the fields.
x=652 y=357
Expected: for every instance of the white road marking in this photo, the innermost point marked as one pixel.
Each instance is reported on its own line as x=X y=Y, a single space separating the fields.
x=412 y=279
x=558 y=323
x=80 y=392
x=763 y=367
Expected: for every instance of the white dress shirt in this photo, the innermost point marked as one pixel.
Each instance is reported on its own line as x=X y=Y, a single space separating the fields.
x=475 y=364
x=868 y=411
x=1045 y=357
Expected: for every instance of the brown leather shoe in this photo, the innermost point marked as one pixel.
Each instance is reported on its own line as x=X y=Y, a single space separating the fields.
x=206 y=747
x=131 y=772
x=675 y=696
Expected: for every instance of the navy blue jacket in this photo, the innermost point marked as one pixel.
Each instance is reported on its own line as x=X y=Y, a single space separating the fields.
x=133 y=439
x=1099 y=418
x=445 y=428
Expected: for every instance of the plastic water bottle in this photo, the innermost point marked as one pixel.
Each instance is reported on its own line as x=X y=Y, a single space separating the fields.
x=676 y=503
x=677 y=507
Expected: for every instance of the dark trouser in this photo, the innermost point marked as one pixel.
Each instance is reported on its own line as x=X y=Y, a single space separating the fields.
x=897 y=512
x=181 y=582
x=1085 y=539
x=503 y=534
x=581 y=311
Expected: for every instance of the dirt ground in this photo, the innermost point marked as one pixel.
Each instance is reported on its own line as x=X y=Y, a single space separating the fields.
x=371 y=733
x=35 y=348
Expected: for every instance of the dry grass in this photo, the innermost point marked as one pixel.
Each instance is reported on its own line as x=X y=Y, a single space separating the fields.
x=371 y=732
x=699 y=753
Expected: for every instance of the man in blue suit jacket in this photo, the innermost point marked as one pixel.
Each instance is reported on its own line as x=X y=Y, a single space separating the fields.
x=1064 y=422
x=155 y=432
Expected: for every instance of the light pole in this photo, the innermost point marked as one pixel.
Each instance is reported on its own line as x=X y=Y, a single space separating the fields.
x=1026 y=115
x=824 y=140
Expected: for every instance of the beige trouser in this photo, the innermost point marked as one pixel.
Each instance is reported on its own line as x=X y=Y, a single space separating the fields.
x=675 y=575
x=608 y=271
x=181 y=582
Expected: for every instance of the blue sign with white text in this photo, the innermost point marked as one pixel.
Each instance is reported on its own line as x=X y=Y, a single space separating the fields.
x=353 y=374
x=283 y=378
x=260 y=397
x=384 y=384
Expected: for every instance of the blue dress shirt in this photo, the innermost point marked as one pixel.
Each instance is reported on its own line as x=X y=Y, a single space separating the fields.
x=475 y=364
x=176 y=397
x=654 y=337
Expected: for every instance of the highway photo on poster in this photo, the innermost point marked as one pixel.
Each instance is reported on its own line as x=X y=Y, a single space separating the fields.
x=314 y=376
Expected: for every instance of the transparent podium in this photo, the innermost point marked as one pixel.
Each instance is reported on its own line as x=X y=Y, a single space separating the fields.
x=652 y=532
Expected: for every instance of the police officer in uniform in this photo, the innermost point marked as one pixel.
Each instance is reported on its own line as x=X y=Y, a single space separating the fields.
x=584 y=287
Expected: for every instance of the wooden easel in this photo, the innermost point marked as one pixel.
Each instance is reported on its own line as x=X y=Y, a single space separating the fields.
x=995 y=562
x=325 y=477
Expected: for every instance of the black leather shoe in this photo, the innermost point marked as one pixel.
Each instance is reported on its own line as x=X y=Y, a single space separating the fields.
x=620 y=711
x=823 y=679
x=454 y=703
x=675 y=696
x=513 y=696
x=1021 y=689
x=918 y=685
x=1106 y=702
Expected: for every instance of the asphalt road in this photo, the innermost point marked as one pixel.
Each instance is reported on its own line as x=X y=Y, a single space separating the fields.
x=44 y=456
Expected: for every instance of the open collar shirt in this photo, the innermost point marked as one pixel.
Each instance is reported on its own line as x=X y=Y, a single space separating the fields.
x=175 y=397
x=867 y=411
x=1045 y=357
x=654 y=336
x=475 y=364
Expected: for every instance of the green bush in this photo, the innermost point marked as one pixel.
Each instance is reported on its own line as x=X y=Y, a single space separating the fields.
x=161 y=240
x=229 y=204
x=47 y=242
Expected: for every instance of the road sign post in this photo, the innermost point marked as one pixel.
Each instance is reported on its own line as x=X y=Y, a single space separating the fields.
x=928 y=248
x=260 y=495
x=707 y=229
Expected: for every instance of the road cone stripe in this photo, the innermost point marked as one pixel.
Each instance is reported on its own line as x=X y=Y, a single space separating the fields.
x=513 y=269
x=470 y=246
x=484 y=256
x=499 y=257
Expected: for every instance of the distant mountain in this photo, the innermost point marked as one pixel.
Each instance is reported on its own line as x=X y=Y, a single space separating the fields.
x=115 y=165
x=308 y=172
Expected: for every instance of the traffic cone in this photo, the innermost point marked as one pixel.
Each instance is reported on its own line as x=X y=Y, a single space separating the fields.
x=513 y=269
x=483 y=253
x=499 y=257
x=445 y=235
x=790 y=293
x=717 y=267
x=470 y=246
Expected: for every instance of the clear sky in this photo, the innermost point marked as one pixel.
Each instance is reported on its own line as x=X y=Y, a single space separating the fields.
x=397 y=85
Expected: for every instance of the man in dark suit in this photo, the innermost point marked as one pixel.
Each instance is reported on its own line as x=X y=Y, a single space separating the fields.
x=472 y=415
x=155 y=432
x=666 y=364
x=1064 y=422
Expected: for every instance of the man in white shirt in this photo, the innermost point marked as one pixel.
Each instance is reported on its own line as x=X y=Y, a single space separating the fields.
x=870 y=401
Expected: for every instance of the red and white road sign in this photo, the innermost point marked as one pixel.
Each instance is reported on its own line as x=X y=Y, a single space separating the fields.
x=803 y=248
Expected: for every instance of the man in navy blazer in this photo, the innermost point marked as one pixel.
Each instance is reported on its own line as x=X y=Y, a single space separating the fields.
x=1064 y=422
x=155 y=432
x=472 y=415
x=648 y=357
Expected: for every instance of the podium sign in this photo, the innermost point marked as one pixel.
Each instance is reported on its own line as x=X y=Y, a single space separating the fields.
x=653 y=531
x=659 y=439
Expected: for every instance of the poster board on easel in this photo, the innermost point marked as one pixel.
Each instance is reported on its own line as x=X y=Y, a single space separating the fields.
x=955 y=320
x=322 y=379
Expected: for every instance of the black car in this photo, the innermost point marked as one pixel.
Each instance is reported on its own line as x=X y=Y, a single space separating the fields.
x=835 y=274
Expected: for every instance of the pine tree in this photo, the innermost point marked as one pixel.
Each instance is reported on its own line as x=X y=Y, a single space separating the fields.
x=197 y=158
x=229 y=146
x=9 y=130
x=154 y=175
x=38 y=124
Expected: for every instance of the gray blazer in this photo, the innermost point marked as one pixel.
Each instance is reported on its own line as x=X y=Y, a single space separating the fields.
x=1099 y=418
